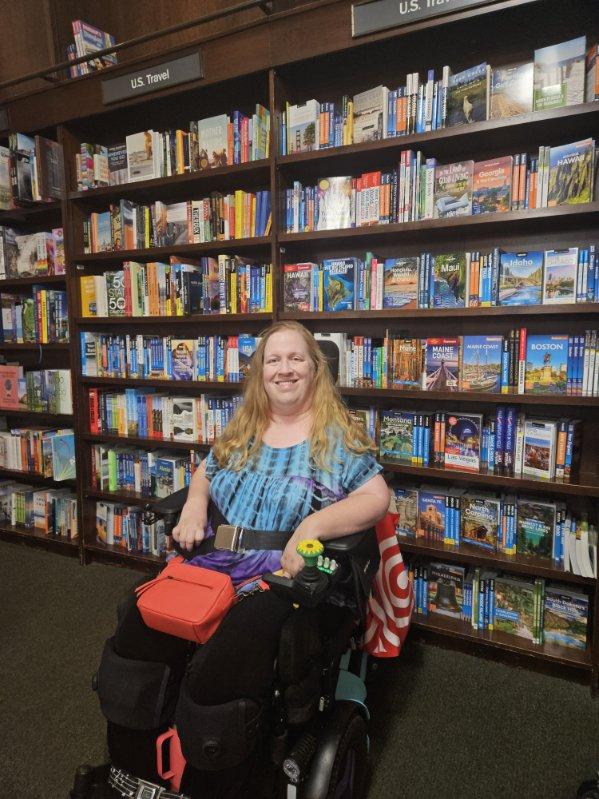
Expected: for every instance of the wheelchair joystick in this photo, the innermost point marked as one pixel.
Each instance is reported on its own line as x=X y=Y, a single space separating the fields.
x=311 y=582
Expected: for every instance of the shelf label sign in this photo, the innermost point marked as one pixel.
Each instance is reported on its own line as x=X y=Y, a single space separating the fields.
x=381 y=14
x=152 y=79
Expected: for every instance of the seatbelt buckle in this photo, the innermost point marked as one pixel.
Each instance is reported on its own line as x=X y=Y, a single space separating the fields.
x=148 y=790
x=229 y=537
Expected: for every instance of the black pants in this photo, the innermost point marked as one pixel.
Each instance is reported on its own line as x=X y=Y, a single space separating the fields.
x=236 y=662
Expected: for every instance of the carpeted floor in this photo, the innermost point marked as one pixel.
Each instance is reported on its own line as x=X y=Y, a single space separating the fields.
x=444 y=724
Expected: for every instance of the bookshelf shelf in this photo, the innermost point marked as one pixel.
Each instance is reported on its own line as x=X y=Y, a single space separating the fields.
x=35 y=479
x=188 y=386
x=113 y=553
x=580 y=309
x=202 y=319
x=31 y=214
x=128 y=497
x=515 y=563
x=502 y=224
x=512 y=483
x=563 y=656
x=32 y=281
x=222 y=177
x=38 y=416
x=149 y=443
x=32 y=345
x=378 y=394
x=254 y=244
x=20 y=533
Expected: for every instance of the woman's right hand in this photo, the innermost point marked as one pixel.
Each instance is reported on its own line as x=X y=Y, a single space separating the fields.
x=189 y=531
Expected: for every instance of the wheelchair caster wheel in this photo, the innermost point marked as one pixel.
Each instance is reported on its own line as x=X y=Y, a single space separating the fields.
x=588 y=790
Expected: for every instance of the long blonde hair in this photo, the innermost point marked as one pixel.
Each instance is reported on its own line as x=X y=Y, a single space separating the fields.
x=241 y=440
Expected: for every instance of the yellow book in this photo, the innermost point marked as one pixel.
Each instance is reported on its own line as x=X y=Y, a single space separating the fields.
x=180 y=155
x=147 y=227
x=320 y=290
x=87 y=288
x=234 y=286
x=253 y=215
x=350 y=120
x=44 y=315
x=238 y=232
x=268 y=288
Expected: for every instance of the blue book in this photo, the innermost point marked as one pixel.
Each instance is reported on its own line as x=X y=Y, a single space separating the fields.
x=546 y=364
x=520 y=278
x=397 y=436
x=339 y=277
x=63 y=456
x=401 y=282
x=482 y=358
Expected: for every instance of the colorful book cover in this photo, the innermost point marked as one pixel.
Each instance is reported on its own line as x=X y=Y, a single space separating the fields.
x=176 y=224
x=481 y=521
x=212 y=141
x=546 y=364
x=468 y=96
x=571 y=173
x=397 y=436
x=406 y=362
x=481 y=363
x=449 y=275
x=453 y=189
x=334 y=203
x=535 y=525
x=400 y=282
x=63 y=456
x=183 y=419
x=566 y=617
x=539 y=446
x=462 y=442
x=511 y=90
x=431 y=514
x=115 y=292
x=339 y=280
x=560 y=274
x=103 y=232
x=247 y=347
x=140 y=156
x=297 y=286
x=521 y=278
x=9 y=387
x=446 y=589
x=212 y=284
x=492 y=185
x=559 y=73
x=406 y=507
x=182 y=354
x=441 y=364
x=301 y=126
x=514 y=606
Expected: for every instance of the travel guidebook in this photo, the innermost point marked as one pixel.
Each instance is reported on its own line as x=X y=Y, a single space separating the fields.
x=462 y=442
x=561 y=271
x=453 y=189
x=446 y=589
x=400 y=282
x=406 y=507
x=481 y=363
x=571 y=173
x=63 y=456
x=339 y=278
x=334 y=203
x=481 y=521
x=535 y=525
x=511 y=90
x=397 y=440
x=297 y=286
x=449 y=275
x=302 y=124
x=514 y=606
x=212 y=141
x=405 y=362
x=546 y=364
x=539 y=449
x=520 y=278
x=492 y=185
x=182 y=353
x=441 y=365
x=431 y=514
x=559 y=72
x=370 y=114
x=566 y=617
x=468 y=96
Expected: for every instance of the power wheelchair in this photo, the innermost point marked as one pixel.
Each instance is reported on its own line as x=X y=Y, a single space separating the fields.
x=316 y=743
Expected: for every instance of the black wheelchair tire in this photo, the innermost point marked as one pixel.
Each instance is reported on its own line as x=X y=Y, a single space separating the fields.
x=588 y=790
x=354 y=740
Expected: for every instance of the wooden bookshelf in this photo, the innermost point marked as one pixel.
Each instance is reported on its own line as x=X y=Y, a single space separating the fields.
x=17 y=532
x=325 y=67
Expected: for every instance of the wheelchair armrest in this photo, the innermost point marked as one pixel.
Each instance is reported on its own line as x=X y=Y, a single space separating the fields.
x=347 y=544
x=171 y=504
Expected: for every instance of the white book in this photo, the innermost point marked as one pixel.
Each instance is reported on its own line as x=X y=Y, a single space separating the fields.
x=539 y=449
x=141 y=156
x=303 y=130
x=583 y=553
x=370 y=114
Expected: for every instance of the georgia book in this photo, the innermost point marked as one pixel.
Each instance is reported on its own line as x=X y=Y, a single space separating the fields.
x=492 y=185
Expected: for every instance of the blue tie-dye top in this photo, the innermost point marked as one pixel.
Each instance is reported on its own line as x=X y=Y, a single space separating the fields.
x=275 y=493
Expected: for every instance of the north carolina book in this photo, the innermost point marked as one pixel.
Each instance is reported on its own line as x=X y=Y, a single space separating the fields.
x=453 y=189
x=560 y=275
x=546 y=364
x=339 y=279
x=462 y=442
x=370 y=114
x=334 y=203
x=481 y=363
x=405 y=362
x=212 y=141
x=406 y=507
x=446 y=589
x=431 y=514
x=559 y=72
x=566 y=617
x=539 y=447
x=396 y=437
x=400 y=282
x=511 y=90
x=571 y=173
x=297 y=286
x=520 y=277
x=492 y=185
x=468 y=95
x=182 y=354
x=535 y=526
x=302 y=125
x=449 y=275
x=441 y=364
x=514 y=606
x=481 y=521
